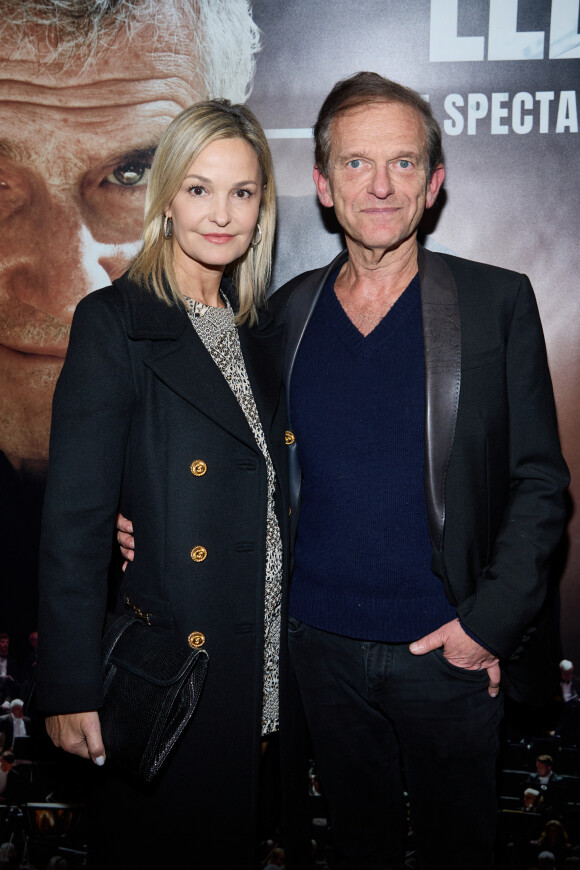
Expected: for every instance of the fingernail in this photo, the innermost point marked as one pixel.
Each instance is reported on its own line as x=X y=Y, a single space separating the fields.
x=100 y=760
x=494 y=694
x=413 y=647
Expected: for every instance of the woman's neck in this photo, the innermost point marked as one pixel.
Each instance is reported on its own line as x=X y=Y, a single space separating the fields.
x=201 y=284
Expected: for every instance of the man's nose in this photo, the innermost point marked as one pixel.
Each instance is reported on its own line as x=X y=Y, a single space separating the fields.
x=381 y=183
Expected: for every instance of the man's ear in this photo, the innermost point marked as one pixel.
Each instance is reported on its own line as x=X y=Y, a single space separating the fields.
x=434 y=185
x=322 y=187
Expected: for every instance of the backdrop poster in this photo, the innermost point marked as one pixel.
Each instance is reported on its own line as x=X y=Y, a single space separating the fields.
x=502 y=80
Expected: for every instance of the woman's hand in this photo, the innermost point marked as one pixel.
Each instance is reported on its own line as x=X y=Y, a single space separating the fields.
x=79 y=733
x=125 y=539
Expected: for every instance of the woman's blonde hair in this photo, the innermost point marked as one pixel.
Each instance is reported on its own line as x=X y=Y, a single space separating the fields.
x=185 y=138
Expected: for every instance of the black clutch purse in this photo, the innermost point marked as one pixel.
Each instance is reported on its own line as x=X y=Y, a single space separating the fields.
x=152 y=685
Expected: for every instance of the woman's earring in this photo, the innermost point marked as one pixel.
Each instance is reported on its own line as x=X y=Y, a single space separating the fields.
x=167 y=227
x=257 y=237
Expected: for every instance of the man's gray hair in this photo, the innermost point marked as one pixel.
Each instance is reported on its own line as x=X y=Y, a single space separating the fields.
x=221 y=33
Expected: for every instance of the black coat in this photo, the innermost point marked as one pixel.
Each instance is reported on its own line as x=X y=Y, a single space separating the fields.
x=140 y=400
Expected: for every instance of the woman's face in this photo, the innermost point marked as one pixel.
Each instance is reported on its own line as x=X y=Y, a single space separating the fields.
x=215 y=211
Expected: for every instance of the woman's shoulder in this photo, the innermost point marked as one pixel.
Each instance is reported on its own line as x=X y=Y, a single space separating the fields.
x=112 y=297
x=138 y=308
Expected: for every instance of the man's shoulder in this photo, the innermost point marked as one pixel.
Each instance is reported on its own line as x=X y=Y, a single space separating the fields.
x=278 y=300
x=466 y=270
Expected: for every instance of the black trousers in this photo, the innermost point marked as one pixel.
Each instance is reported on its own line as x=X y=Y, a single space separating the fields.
x=382 y=721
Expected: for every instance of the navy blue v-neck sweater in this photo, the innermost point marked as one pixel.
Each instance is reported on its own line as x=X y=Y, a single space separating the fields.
x=362 y=566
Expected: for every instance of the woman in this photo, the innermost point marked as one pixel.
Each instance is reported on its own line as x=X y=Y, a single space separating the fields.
x=168 y=407
x=554 y=839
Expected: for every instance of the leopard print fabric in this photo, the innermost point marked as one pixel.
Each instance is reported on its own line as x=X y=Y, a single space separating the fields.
x=217 y=330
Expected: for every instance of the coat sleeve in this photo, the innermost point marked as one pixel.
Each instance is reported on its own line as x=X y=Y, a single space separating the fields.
x=91 y=416
x=512 y=588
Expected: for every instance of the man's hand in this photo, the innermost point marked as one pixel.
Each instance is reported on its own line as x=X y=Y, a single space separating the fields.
x=79 y=733
x=125 y=539
x=461 y=650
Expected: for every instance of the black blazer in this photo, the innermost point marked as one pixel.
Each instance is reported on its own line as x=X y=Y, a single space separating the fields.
x=138 y=403
x=494 y=477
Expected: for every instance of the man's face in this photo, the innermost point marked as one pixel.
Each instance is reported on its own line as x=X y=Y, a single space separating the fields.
x=4 y=646
x=17 y=712
x=76 y=145
x=542 y=769
x=378 y=177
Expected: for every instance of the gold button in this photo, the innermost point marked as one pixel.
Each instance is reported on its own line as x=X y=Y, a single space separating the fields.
x=198 y=554
x=198 y=467
x=196 y=639
x=289 y=437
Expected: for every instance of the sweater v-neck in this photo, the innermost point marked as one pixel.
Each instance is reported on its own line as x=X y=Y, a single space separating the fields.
x=366 y=345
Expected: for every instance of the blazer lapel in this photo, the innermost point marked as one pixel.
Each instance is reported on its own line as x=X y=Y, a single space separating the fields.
x=442 y=347
x=299 y=310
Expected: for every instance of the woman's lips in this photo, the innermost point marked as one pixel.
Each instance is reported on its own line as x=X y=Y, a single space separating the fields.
x=218 y=238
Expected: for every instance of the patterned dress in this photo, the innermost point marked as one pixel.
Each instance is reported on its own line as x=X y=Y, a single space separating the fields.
x=217 y=330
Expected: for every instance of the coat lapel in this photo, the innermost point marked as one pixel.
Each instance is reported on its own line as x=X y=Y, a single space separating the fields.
x=442 y=347
x=179 y=358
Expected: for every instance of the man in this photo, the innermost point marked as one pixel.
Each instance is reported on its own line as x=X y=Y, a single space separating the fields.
x=551 y=787
x=14 y=724
x=568 y=731
x=8 y=670
x=87 y=88
x=531 y=797
x=569 y=684
x=426 y=472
